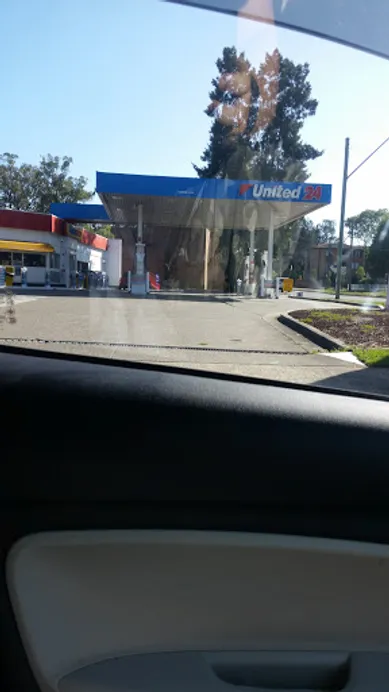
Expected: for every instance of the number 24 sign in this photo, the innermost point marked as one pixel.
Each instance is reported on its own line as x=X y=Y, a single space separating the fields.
x=312 y=192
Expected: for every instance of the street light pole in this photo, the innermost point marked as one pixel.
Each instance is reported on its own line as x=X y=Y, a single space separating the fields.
x=341 y=223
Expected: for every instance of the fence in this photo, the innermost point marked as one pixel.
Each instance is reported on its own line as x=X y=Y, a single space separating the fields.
x=369 y=288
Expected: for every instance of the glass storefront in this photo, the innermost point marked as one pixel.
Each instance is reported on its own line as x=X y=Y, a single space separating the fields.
x=27 y=259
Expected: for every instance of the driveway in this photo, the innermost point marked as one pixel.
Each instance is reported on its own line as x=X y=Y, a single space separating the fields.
x=214 y=333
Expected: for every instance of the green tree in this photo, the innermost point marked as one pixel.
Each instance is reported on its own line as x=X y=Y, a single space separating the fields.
x=17 y=183
x=34 y=188
x=303 y=236
x=257 y=119
x=360 y=274
x=325 y=232
x=378 y=258
x=364 y=226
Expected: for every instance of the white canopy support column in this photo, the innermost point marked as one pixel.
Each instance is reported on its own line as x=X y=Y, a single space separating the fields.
x=251 y=262
x=140 y=224
x=207 y=241
x=140 y=248
x=139 y=278
x=270 y=247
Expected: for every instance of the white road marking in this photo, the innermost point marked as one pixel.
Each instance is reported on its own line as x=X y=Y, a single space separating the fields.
x=347 y=356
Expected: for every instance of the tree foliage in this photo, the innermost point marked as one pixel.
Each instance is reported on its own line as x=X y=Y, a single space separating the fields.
x=364 y=226
x=256 y=133
x=325 y=232
x=33 y=188
x=258 y=115
x=378 y=257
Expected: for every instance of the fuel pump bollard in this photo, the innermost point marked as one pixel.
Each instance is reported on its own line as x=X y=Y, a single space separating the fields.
x=129 y=282
x=23 y=272
x=47 y=280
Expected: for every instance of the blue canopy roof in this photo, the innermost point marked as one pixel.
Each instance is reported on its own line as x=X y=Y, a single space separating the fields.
x=212 y=203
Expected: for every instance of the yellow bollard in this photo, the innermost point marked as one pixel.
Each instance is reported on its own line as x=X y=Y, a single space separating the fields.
x=287 y=285
x=9 y=275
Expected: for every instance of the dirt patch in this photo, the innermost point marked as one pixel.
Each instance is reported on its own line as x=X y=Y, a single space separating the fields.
x=367 y=328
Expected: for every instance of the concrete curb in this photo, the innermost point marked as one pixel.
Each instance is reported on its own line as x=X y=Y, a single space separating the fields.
x=317 y=337
x=338 y=302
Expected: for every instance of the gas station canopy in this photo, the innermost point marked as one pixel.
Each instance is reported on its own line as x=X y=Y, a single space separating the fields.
x=197 y=202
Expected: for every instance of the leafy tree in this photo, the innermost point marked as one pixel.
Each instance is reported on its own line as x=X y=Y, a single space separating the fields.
x=325 y=232
x=364 y=226
x=17 y=183
x=34 y=188
x=258 y=115
x=360 y=274
x=378 y=257
x=303 y=236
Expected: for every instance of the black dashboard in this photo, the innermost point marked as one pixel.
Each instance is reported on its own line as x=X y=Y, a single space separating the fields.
x=106 y=445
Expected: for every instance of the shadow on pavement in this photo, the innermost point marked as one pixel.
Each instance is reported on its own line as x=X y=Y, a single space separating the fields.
x=365 y=381
x=116 y=293
x=66 y=292
x=194 y=297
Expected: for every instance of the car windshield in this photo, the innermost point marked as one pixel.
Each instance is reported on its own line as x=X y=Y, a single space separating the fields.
x=201 y=187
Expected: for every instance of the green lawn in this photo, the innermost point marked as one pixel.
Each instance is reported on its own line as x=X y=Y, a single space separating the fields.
x=328 y=315
x=373 y=357
x=347 y=294
x=342 y=324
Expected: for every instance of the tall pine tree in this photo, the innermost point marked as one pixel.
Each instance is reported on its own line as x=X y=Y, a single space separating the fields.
x=256 y=133
x=257 y=117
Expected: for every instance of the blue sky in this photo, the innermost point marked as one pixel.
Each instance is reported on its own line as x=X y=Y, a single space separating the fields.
x=122 y=86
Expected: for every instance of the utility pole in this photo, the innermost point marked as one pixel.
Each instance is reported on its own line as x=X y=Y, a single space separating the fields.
x=341 y=222
x=346 y=176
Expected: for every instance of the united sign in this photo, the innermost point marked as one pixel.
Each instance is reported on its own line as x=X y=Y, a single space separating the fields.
x=285 y=192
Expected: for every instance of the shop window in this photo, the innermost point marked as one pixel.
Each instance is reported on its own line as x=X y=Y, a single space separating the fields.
x=34 y=260
x=5 y=258
x=17 y=258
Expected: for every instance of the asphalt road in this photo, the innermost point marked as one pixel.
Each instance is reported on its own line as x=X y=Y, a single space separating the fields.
x=238 y=336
